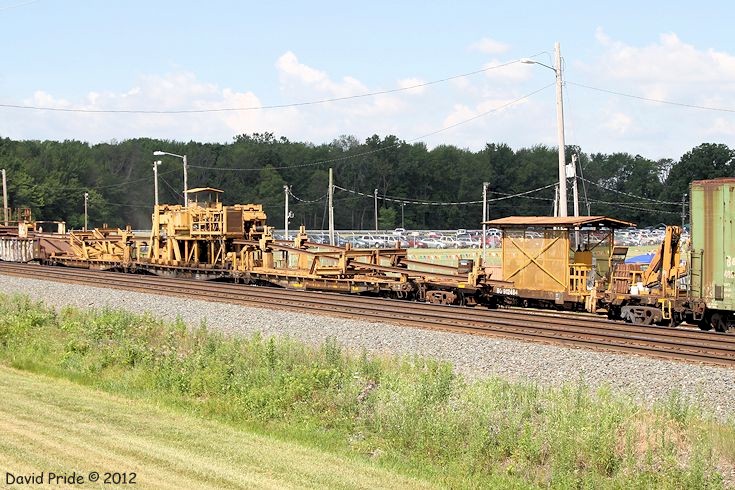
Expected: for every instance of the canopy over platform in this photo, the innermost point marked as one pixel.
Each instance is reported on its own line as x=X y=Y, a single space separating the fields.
x=558 y=222
x=204 y=189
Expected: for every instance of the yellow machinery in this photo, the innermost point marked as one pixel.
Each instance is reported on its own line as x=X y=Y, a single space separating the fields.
x=652 y=295
x=556 y=261
x=209 y=240
x=198 y=235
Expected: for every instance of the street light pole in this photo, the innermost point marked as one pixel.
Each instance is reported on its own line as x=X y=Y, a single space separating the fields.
x=186 y=185
x=560 y=133
x=86 y=199
x=562 y=211
x=5 y=200
x=155 y=181
x=285 y=212
x=484 y=219
x=330 y=196
x=159 y=153
x=375 y=194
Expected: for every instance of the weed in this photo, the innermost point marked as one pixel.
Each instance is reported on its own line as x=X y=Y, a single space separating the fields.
x=414 y=414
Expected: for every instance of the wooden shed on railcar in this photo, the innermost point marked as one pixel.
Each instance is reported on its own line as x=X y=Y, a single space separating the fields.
x=559 y=261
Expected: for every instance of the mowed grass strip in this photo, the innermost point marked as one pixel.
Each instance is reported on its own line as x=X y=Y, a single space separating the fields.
x=413 y=416
x=55 y=425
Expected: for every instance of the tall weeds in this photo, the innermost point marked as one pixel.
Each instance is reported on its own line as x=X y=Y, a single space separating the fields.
x=414 y=414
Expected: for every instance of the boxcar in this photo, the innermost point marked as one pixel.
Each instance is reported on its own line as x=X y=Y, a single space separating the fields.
x=713 y=249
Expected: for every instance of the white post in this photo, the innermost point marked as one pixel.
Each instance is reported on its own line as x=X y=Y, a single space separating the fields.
x=331 y=207
x=556 y=200
x=186 y=186
x=155 y=183
x=575 y=192
x=575 y=195
x=560 y=131
x=484 y=219
x=5 y=200
x=375 y=193
x=683 y=211
x=285 y=215
x=86 y=198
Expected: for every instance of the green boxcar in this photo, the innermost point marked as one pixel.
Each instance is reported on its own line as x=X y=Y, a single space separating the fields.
x=713 y=247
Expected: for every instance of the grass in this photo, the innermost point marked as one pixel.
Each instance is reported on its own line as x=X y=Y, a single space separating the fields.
x=414 y=417
x=56 y=425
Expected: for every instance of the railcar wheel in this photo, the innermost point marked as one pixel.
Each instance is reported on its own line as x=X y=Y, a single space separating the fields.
x=718 y=322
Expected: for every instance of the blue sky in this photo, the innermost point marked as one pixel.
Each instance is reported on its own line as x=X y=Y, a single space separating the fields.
x=165 y=55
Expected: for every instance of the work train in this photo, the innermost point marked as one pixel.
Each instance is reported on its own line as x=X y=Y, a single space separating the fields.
x=568 y=263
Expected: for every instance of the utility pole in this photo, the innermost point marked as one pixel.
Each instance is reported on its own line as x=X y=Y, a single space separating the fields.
x=560 y=131
x=331 y=207
x=683 y=211
x=186 y=185
x=285 y=212
x=575 y=194
x=155 y=182
x=403 y=205
x=559 y=127
x=484 y=219
x=376 y=209
x=5 y=200
x=86 y=199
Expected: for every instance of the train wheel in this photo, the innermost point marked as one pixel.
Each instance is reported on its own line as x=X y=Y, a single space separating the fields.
x=676 y=320
x=706 y=322
x=718 y=322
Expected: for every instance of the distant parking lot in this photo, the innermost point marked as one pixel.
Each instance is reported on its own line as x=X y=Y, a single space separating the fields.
x=458 y=239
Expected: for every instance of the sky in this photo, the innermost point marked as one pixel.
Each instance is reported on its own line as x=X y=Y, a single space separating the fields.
x=172 y=56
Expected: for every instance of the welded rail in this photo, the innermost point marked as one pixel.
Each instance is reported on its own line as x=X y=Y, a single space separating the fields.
x=540 y=326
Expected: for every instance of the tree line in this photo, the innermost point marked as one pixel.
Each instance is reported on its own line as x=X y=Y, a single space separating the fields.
x=416 y=186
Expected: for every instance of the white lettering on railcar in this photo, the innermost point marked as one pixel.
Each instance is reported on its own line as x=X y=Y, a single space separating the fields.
x=507 y=291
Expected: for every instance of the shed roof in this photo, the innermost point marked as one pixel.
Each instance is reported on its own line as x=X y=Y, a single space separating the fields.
x=557 y=221
x=714 y=182
x=204 y=189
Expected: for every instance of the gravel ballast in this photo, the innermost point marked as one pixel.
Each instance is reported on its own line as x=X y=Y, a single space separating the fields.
x=647 y=380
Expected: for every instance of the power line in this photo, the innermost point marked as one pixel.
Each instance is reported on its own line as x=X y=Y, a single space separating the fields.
x=628 y=193
x=660 y=101
x=438 y=203
x=305 y=201
x=256 y=108
x=395 y=145
x=638 y=208
x=22 y=4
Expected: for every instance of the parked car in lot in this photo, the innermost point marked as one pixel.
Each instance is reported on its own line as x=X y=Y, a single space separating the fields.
x=435 y=243
x=466 y=241
x=416 y=242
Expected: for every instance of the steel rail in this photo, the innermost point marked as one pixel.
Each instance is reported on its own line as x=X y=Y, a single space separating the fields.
x=547 y=327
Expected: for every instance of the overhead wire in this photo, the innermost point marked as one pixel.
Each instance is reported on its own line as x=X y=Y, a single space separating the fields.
x=305 y=201
x=440 y=203
x=649 y=99
x=254 y=108
x=22 y=4
x=383 y=148
x=629 y=194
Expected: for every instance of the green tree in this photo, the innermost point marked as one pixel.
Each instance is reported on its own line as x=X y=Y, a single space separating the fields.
x=387 y=218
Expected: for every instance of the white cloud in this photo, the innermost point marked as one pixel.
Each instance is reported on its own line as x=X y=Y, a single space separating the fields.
x=489 y=46
x=515 y=72
x=412 y=82
x=722 y=126
x=619 y=123
x=669 y=60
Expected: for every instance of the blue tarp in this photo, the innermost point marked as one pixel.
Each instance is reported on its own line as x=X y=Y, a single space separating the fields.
x=640 y=259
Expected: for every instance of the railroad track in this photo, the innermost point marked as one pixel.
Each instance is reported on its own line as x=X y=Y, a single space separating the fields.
x=538 y=326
